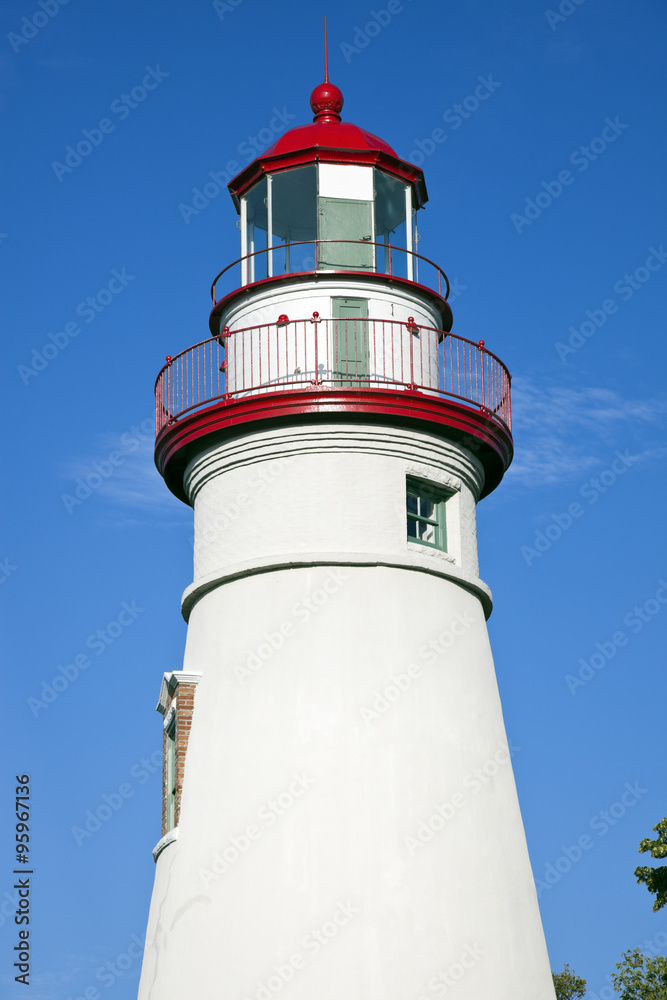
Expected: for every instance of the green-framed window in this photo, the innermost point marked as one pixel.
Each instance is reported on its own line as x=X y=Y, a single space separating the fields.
x=425 y=508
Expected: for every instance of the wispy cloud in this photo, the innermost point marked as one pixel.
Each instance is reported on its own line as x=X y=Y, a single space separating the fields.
x=137 y=483
x=49 y=985
x=75 y=969
x=563 y=431
x=119 y=470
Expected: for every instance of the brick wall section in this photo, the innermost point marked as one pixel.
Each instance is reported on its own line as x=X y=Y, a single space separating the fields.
x=182 y=693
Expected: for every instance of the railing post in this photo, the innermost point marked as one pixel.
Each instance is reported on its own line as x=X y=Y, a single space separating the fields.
x=509 y=399
x=158 y=406
x=221 y=342
x=481 y=361
x=315 y=319
x=168 y=407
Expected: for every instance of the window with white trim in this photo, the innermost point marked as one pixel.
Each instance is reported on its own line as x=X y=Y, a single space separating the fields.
x=426 y=516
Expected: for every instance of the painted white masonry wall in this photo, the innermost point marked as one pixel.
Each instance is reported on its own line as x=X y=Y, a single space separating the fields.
x=326 y=492
x=330 y=786
x=299 y=301
x=373 y=763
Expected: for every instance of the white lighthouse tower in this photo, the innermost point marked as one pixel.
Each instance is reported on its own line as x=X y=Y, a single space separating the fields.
x=340 y=817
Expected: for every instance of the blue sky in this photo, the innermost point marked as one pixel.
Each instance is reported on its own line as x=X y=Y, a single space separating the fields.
x=581 y=92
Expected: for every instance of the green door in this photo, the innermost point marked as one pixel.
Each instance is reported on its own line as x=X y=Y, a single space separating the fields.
x=340 y=219
x=350 y=341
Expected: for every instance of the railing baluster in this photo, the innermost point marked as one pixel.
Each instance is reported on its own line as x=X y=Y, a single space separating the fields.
x=260 y=339
x=460 y=364
x=315 y=327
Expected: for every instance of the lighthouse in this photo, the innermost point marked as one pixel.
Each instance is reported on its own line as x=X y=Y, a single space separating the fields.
x=340 y=819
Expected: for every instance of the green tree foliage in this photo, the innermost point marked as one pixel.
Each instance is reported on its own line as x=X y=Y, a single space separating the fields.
x=655 y=879
x=568 y=985
x=640 y=977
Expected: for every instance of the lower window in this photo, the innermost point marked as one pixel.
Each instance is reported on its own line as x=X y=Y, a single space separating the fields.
x=425 y=508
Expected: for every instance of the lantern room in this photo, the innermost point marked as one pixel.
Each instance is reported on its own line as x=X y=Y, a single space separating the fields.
x=355 y=213
x=328 y=196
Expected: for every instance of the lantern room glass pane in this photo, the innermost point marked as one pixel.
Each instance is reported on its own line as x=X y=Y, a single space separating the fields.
x=294 y=203
x=256 y=199
x=390 y=223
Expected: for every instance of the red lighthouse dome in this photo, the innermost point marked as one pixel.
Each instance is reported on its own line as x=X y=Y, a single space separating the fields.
x=328 y=130
x=330 y=140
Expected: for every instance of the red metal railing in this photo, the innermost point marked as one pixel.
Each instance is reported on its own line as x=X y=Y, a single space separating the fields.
x=312 y=256
x=324 y=354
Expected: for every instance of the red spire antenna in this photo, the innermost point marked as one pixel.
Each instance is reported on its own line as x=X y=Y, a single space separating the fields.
x=326 y=60
x=326 y=100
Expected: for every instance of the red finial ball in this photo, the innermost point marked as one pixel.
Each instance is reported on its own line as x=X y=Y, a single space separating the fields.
x=327 y=103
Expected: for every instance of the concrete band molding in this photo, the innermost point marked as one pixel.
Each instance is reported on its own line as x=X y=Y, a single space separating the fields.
x=419 y=563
